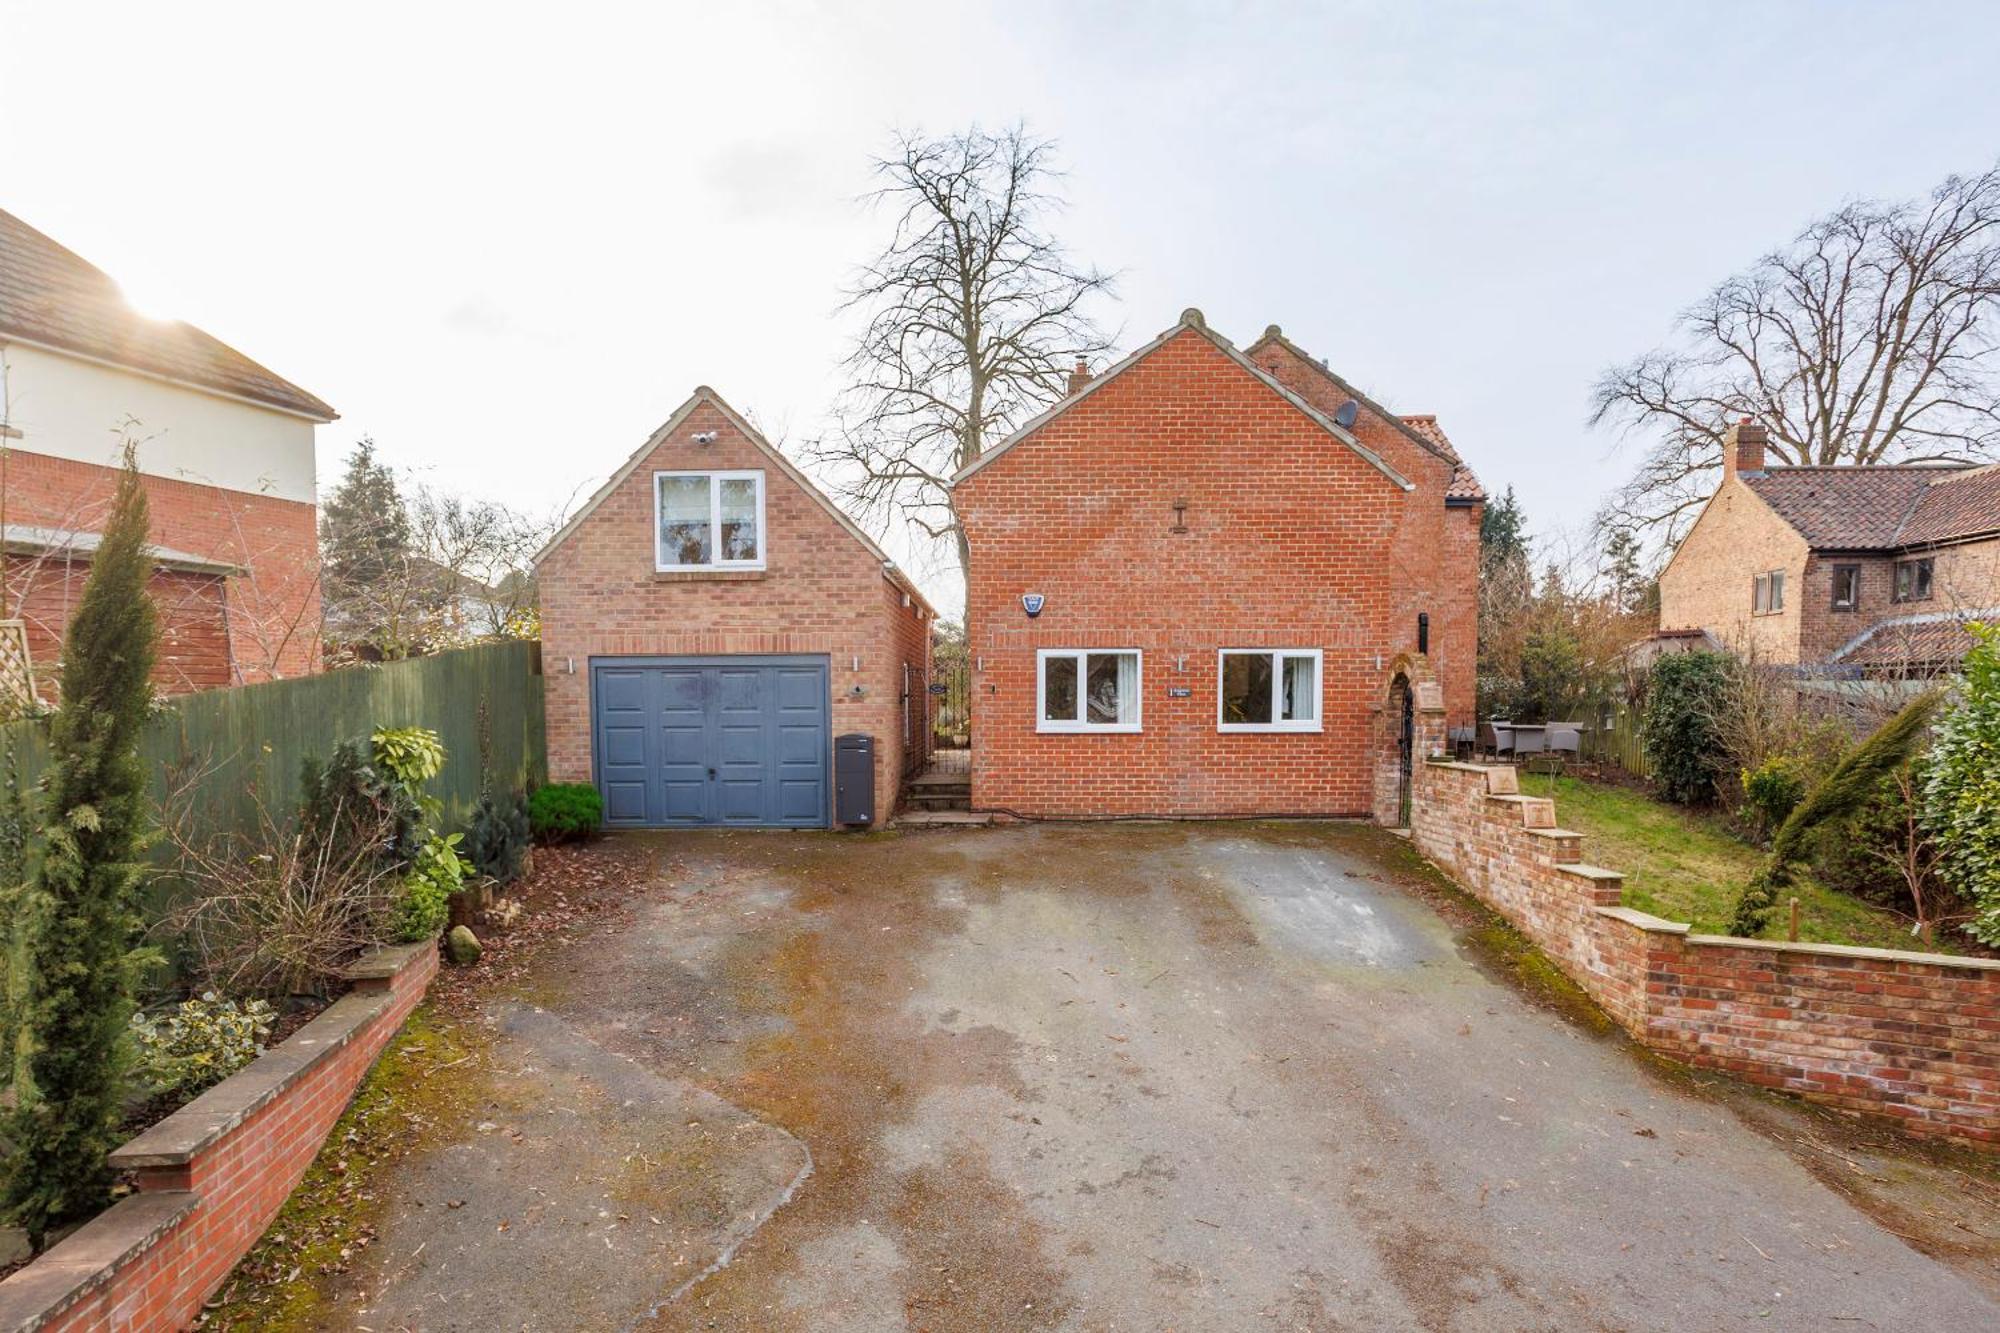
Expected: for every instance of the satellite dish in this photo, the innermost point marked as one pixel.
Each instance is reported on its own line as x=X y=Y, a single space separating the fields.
x=1344 y=416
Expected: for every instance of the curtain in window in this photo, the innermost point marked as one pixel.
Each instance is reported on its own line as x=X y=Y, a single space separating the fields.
x=1128 y=687
x=739 y=518
x=684 y=532
x=1301 y=689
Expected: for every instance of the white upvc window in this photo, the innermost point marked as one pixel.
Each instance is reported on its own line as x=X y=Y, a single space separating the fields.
x=708 y=520
x=1087 y=689
x=1267 y=689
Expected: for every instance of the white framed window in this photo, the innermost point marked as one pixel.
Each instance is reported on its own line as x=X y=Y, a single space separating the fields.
x=708 y=520
x=1267 y=689
x=1087 y=689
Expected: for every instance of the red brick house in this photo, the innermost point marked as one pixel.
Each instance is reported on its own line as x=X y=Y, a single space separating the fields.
x=1870 y=571
x=1209 y=583
x=226 y=450
x=711 y=622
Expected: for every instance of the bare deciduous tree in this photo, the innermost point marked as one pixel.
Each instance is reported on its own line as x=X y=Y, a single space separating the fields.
x=976 y=314
x=1871 y=338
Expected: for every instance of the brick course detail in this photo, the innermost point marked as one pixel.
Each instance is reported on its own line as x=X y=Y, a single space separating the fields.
x=213 y=1175
x=1914 y=1037
x=821 y=593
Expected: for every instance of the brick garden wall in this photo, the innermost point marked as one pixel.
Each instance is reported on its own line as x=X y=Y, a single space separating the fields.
x=213 y=1175
x=1911 y=1036
x=821 y=592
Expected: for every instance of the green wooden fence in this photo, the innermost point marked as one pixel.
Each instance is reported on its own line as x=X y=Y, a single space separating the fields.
x=252 y=740
x=1619 y=744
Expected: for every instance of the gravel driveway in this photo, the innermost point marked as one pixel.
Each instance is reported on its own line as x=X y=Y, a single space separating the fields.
x=1228 y=1076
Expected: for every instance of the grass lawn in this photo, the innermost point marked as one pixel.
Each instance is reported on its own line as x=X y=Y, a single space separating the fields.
x=1687 y=866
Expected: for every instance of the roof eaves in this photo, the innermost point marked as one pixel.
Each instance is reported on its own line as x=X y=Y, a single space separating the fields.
x=1192 y=318
x=703 y=394
x=309 y=406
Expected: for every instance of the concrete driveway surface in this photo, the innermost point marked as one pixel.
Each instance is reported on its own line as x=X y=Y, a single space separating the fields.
x=1149 y=1077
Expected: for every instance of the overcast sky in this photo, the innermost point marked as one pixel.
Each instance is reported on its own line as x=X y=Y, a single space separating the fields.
x=506 y=241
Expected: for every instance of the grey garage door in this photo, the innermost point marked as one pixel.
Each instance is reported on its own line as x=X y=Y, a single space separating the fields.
x=716 y=740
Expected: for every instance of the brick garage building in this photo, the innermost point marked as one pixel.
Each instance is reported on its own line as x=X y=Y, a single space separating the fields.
x=711 y=621
x=1202 y=583
x=226 y=453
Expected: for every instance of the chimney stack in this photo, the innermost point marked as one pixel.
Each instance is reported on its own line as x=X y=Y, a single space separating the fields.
x=1743 y=448
x=1080 y=376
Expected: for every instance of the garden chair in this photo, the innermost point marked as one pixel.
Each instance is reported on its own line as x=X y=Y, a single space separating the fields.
x=1496 y=739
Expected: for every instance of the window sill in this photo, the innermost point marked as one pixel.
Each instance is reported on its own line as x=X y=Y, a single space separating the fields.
x=1087 y=729
x=708 y=575
x=1267 y=728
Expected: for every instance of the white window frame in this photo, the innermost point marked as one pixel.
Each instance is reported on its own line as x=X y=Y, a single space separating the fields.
x=1081 y=723
x=1277 y=656
x=715 y=480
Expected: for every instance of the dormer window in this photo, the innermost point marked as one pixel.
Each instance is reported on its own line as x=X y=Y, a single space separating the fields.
x=708 y=520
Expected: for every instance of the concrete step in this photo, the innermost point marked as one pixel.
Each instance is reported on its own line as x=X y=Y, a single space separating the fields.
x=949 y=781
x=939 y=800
x=941 y=819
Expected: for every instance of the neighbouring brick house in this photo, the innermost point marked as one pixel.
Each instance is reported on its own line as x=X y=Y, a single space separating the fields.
x=1206 y=583
x=711 y=621
x=226 y=450
x=1862 y=570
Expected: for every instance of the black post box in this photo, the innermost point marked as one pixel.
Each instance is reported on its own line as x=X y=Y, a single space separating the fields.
x=854 y=780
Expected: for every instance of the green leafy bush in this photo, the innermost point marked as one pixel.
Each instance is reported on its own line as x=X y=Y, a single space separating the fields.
x=199 y=1042
x=1685 y=699
x=1773 y=789
x=410 y=755
x=1961 y=799
x=436 y=872
x=562 y=811
x=498 y=839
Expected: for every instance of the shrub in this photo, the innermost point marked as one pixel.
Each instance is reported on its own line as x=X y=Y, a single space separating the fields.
x=562 y=811
x=424 y=902
x=1686 y=694
x=1773 y=789
x=498 y=838
x=347 y=802
x=283 y=912
x=410 y=755
x=199 y=1042
x=1961 y=798
x=76 y=926
x=1845 y=791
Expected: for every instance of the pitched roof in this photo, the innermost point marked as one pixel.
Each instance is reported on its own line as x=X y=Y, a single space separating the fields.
x=1882 y=508
x=1918 y=640
x=1191 y=319
x=52 y=297
x=1421 y=427
x=1464 y=482
x=703 y=394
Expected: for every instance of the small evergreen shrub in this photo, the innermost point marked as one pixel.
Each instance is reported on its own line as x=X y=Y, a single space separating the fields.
x=498 y=839
x=347 y=801
x=1961 y=796
x=1685 y=699
x=562 y=811
x=1772 y=790
x=198 y=1043
x=424 y=902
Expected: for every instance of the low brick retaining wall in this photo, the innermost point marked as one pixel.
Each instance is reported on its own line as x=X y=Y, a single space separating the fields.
x=1915 y=1036
x=213 y=1174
